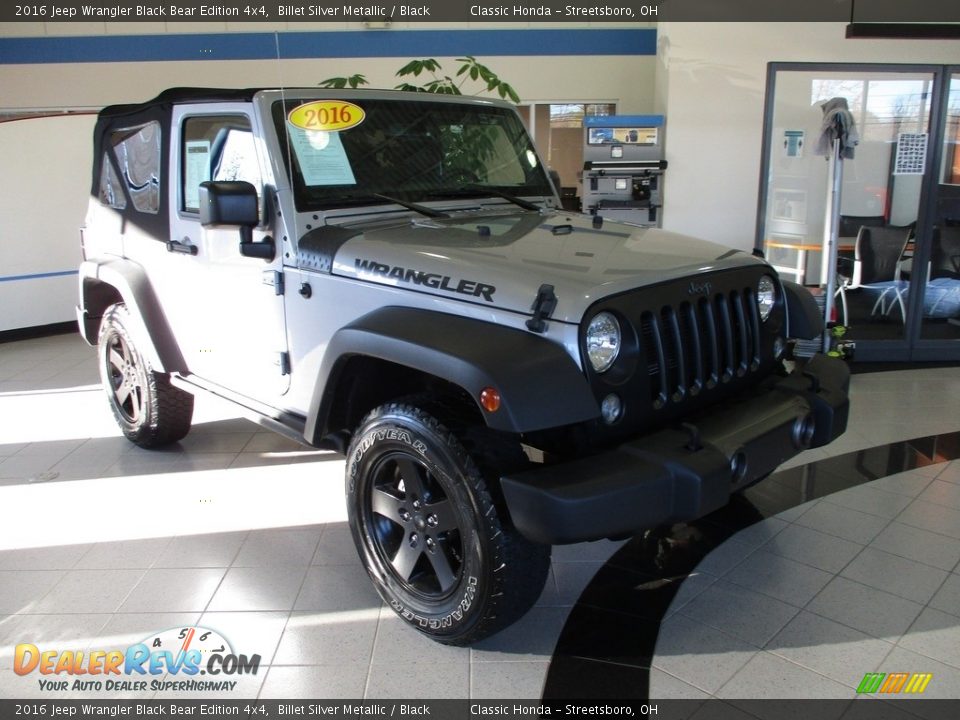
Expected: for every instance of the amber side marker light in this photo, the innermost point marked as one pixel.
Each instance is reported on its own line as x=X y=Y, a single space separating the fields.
x=490 y=399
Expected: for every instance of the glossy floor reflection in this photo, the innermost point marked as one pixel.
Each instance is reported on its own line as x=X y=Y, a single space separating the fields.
x=778 y=585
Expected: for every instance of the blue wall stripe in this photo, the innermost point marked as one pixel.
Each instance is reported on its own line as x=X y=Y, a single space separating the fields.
x=36 y=276
x=334 y=44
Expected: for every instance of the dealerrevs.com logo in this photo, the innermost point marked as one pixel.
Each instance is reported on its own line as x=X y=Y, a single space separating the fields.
x=171 y=660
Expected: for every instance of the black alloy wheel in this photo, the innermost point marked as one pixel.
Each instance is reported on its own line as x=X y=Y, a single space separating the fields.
x=126 y=379
x=414 y=526
x=149 y=410
x=438 y=549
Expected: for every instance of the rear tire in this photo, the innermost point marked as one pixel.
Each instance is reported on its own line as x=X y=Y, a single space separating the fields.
x=429 y=533
x=149 y=410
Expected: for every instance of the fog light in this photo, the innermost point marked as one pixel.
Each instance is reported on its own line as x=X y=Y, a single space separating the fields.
x=738 y=467
x=803 y=429
x=610 y=409
x=490 y=399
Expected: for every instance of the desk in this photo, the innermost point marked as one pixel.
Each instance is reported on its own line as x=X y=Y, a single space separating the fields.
x=802 y=248
x=846 y=245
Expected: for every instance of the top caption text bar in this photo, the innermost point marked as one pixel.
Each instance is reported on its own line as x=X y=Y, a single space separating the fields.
x=382 y=14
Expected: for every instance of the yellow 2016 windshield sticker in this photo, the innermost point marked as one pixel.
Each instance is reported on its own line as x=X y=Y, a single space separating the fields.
x=326 y=115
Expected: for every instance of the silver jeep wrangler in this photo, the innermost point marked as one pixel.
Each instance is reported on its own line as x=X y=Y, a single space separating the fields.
x=389 y=275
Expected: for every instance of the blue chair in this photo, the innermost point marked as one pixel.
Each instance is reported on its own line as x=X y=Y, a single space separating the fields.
x=941 y=299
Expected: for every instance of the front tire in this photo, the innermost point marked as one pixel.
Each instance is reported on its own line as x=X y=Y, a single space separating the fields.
x=429 y=534
x=149 y=410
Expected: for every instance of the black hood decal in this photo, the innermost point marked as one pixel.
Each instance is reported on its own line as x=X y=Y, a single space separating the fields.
x=435 y=281
x=317 y=248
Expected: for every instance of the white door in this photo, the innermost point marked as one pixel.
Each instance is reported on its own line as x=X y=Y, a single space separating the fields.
x=227 y=308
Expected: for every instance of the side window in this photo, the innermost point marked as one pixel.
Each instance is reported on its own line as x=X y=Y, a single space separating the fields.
x=216 y=147
x=137 y=151
x=111 y=194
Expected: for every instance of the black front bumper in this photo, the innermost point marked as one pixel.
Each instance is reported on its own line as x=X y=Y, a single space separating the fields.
x=682 y=474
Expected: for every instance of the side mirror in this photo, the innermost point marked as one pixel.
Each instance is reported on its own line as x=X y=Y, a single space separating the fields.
x=229 y=203
x=235 y=203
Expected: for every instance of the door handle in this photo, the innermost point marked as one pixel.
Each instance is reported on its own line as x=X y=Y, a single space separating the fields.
x=181 y=247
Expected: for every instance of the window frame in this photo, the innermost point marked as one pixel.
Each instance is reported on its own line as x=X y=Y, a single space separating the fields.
x=129 y=132
x=190 y=214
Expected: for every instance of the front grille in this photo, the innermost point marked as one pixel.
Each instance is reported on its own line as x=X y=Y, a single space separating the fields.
x=699 y=344
x=687 y=346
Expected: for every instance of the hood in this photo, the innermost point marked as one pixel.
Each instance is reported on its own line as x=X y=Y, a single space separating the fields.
x=501 y=260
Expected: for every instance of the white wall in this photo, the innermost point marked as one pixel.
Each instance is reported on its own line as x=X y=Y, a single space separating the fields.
x=43 y=197
x=710 y=85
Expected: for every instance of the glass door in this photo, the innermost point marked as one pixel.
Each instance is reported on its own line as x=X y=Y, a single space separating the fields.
x=939 y=303
x=883 y=235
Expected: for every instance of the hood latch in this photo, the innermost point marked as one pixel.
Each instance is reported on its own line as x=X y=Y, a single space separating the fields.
x=543 y=307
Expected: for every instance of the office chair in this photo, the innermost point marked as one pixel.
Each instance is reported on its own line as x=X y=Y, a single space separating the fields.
x=850 y=227
x=945 y=259
x=850 y=224
x=878 y=255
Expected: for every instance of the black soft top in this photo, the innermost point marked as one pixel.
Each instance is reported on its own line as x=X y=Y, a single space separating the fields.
x=117 y=118
x=173 y=96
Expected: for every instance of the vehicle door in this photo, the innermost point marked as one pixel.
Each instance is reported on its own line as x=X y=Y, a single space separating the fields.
x=228 y=308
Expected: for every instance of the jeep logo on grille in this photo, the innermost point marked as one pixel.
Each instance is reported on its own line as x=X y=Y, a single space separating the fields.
x=699 y=288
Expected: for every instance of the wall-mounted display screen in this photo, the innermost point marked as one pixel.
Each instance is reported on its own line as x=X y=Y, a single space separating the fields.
x=622 y=135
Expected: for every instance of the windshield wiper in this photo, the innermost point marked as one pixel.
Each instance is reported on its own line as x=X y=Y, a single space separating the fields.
x=422 y=209
x=474 y=190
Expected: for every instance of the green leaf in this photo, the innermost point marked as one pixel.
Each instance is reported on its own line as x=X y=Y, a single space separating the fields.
x=414 y=67
x=476 y=71
x=335 y=83
x=338 y=83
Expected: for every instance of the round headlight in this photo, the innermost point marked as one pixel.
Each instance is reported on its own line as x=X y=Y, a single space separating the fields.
x=766 y=296
x=603 y=341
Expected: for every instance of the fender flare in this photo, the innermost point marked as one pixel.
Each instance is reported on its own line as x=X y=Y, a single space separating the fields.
x=150 y=328
x=540 y=385
x=804 y=316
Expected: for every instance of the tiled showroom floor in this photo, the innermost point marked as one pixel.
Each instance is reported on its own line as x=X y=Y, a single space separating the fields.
x=103 y=545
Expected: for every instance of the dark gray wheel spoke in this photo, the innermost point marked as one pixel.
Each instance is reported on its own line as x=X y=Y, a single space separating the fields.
x=122 y=393
x=446 y=519
x=405 y=560
x=441 y=567
x=136 y=404
x=412 y=475
x=383 y=503
x=116 y=360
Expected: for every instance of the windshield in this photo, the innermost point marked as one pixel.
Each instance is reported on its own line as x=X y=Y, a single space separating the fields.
x=409 y=150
